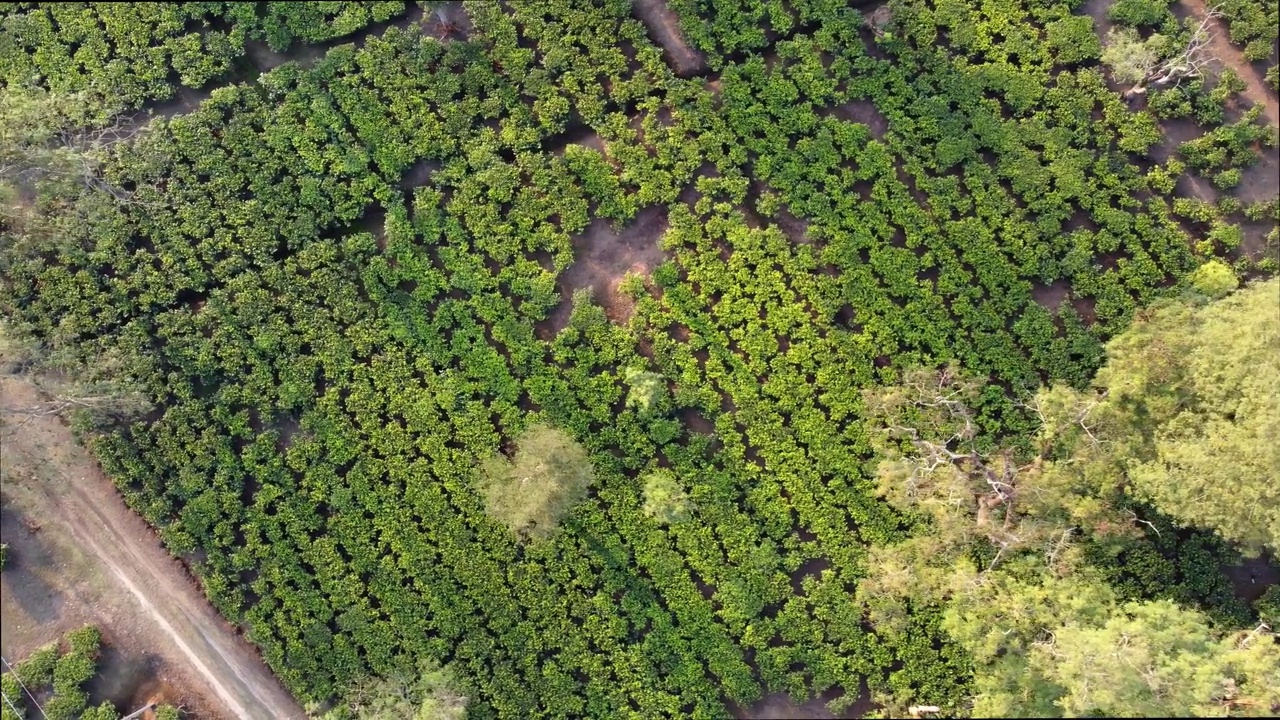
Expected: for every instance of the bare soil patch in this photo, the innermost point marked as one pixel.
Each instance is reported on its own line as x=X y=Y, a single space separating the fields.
x=78 y=555
x=1252 y=577
x=1228 y=55
x=265 y=59
x=664 y=29
x=864 y=112
x=1051 y=297
x=185 y=100
x=601 y=258
x=811 y=567
x=795 y=228
x=1097 y=9
x=695 y=422
x=780 y=706
x=446 y=21
x=1261 y=180
x=581 y=135
x=418 y=174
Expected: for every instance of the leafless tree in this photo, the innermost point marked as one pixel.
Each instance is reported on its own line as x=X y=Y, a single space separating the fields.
x=99 y=388
x=879 y=20
x=1138 y=61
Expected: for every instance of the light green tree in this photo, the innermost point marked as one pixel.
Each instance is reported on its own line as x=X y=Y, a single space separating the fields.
x=1130 y=57
x=532 y=491
x=1062 y=646
x=664 y=499
x=645 y=389
x=1214 y=279
x=1197 y=389
x=1184 y=416
x=432 y=693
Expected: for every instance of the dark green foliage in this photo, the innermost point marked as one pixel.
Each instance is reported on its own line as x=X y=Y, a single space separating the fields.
x=122 y=51
x=1073 y=40
x=1268 y=606
x=128 y=52
x=1230 y=146
x=1139 y=13
x=282 y=24
x=1173 y=563
x=1254 y=25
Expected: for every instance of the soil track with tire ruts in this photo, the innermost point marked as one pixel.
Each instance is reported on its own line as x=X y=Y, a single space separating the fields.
x=111 y=570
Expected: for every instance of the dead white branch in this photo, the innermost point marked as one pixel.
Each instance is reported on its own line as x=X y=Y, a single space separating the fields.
x=1188 y=63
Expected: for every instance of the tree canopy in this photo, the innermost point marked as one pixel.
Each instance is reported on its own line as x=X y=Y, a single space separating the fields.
x=1184 y=416
x=530 y=492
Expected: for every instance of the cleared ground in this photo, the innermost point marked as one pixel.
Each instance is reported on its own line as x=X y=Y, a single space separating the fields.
x=78 y=555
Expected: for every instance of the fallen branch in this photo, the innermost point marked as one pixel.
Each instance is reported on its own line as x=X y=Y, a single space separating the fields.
x=1189 y=63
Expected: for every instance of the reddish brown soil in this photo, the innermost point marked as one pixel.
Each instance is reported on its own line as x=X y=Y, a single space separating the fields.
x=865 y=112
x=601 y=258
x=185 y=100
x=780 y=706
x=1257 y=91
x=811 y=567
x=1260 y=181
x=265 y=59
x=584 y=136
x=418 y=175
x=664 y=29
x=796 y=228
x=1051 y=297
x=696 y=422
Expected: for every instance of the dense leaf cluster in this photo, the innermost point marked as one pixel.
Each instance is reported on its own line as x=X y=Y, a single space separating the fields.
x=1255 y=26
x=134 y=52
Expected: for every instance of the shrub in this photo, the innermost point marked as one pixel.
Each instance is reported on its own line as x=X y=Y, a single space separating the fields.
x=1164 y=178
x=1268 y=606
x=1072 y=39
x=1227 y=235
x=1214 y=279
x=1139 y=13
x=1263 y=210
x=1227 y=179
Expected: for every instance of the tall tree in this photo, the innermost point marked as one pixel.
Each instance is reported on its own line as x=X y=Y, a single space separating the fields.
x=1195 y=389
x=1062 y=646
x=532 y=491
x=1183 y=416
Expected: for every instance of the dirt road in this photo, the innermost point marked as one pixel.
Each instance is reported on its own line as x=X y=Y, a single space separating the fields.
x=118 y=575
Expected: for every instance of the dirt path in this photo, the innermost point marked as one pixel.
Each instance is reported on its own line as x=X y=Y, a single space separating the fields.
x=1230 y=56
x=122 y=575
x=664 y=28
x=601 y=258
